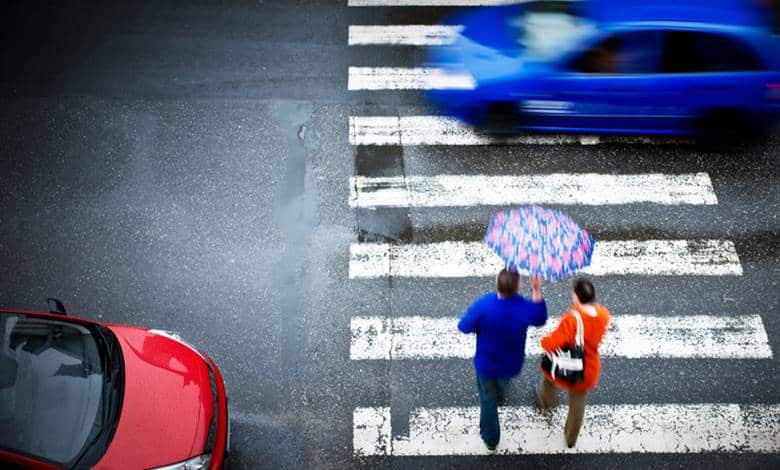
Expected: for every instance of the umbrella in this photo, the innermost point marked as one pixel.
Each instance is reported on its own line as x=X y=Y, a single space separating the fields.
x=540 y=241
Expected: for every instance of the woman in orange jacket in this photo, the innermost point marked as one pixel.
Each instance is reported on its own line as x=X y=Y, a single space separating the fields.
x=595 y=320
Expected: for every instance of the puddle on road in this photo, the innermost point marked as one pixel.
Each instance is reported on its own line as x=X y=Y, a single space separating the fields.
x=382 y=224
x=296 y=216
x=377 y=161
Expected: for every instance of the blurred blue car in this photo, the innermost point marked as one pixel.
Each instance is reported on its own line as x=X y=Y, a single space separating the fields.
x=627 y=67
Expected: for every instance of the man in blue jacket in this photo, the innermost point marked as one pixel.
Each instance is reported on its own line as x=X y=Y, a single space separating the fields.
x=500 y=319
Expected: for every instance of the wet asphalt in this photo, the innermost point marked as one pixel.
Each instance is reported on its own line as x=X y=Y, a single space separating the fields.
x=185 y=165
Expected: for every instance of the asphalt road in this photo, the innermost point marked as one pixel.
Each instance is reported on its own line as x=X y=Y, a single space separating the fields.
x=185 y=166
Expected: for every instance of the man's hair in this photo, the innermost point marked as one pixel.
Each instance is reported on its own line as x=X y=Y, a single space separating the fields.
x=584 y=290
x=506 y=282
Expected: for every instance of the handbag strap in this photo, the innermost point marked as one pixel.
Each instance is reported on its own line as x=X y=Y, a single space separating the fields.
x=579 y=336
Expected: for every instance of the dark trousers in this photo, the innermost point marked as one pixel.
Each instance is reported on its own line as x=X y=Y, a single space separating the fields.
x=491 y=393
x=548 y=398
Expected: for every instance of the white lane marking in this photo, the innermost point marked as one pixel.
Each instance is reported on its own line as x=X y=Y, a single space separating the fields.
x=432 y=3
x=403 y=35
x=372 y=431
x=443 y=130
x=643 y=428
x=374 y=130
x=402 y=78
x=630 y=336
x=612 y=257
x=556 y=188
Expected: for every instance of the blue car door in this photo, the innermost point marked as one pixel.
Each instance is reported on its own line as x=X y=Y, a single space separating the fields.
x=611 y=86
x=708 y=72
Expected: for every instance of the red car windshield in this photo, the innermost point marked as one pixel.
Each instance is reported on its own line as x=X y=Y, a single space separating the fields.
x=56 y=396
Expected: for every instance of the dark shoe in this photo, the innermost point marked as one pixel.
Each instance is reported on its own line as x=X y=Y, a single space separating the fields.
x=490 y=448
x=570 y=445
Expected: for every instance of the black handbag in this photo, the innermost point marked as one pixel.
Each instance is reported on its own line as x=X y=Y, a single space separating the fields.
x=568 y=363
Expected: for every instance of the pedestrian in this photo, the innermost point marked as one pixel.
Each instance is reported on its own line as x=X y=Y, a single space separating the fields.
x=595 y=320
x=500 y=319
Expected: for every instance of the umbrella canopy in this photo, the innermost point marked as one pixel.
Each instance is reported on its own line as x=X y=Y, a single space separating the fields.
x=540 y=241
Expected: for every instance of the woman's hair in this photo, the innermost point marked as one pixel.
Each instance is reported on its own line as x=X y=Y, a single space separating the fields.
x=584 y=290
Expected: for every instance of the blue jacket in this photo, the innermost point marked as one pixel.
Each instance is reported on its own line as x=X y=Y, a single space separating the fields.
x=501 y=325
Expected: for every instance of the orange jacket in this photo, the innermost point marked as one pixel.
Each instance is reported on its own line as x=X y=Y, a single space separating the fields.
x=595 y=320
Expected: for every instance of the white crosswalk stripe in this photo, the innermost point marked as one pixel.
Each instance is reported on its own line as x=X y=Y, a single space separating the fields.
x=401 y=78
x=557 y=188
x=443 y=130
x=643 y=428
x=402 y=35
x=432 y=3
x=631 y=336
x=474 y=259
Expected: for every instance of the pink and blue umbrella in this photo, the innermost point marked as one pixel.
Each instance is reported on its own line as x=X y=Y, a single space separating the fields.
x=540 y=241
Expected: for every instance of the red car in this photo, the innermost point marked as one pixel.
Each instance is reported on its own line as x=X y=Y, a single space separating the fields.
x=76 y=393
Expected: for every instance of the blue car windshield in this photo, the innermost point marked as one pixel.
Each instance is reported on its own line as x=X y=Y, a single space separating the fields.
x=544 y=36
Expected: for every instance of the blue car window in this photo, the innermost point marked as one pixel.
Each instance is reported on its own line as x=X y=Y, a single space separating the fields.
x=639 y=53
x=622 y=53
x=774 y=7
x=700 y=52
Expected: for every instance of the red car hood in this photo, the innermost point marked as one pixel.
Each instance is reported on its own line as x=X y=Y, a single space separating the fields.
x=167 y=402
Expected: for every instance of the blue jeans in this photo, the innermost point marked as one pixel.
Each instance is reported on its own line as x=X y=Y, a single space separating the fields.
x=491 y=391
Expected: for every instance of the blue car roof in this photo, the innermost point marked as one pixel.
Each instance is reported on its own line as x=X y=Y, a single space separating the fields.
x=726 y=12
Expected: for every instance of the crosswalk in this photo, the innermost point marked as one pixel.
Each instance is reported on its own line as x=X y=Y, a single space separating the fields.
x=630 y=336
x=442 y=130
x=610 y=258
x=431 y=3
x=678 y=428
x=404 y=78
x=656 y=428
x=402 y=35
x=587 y=189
